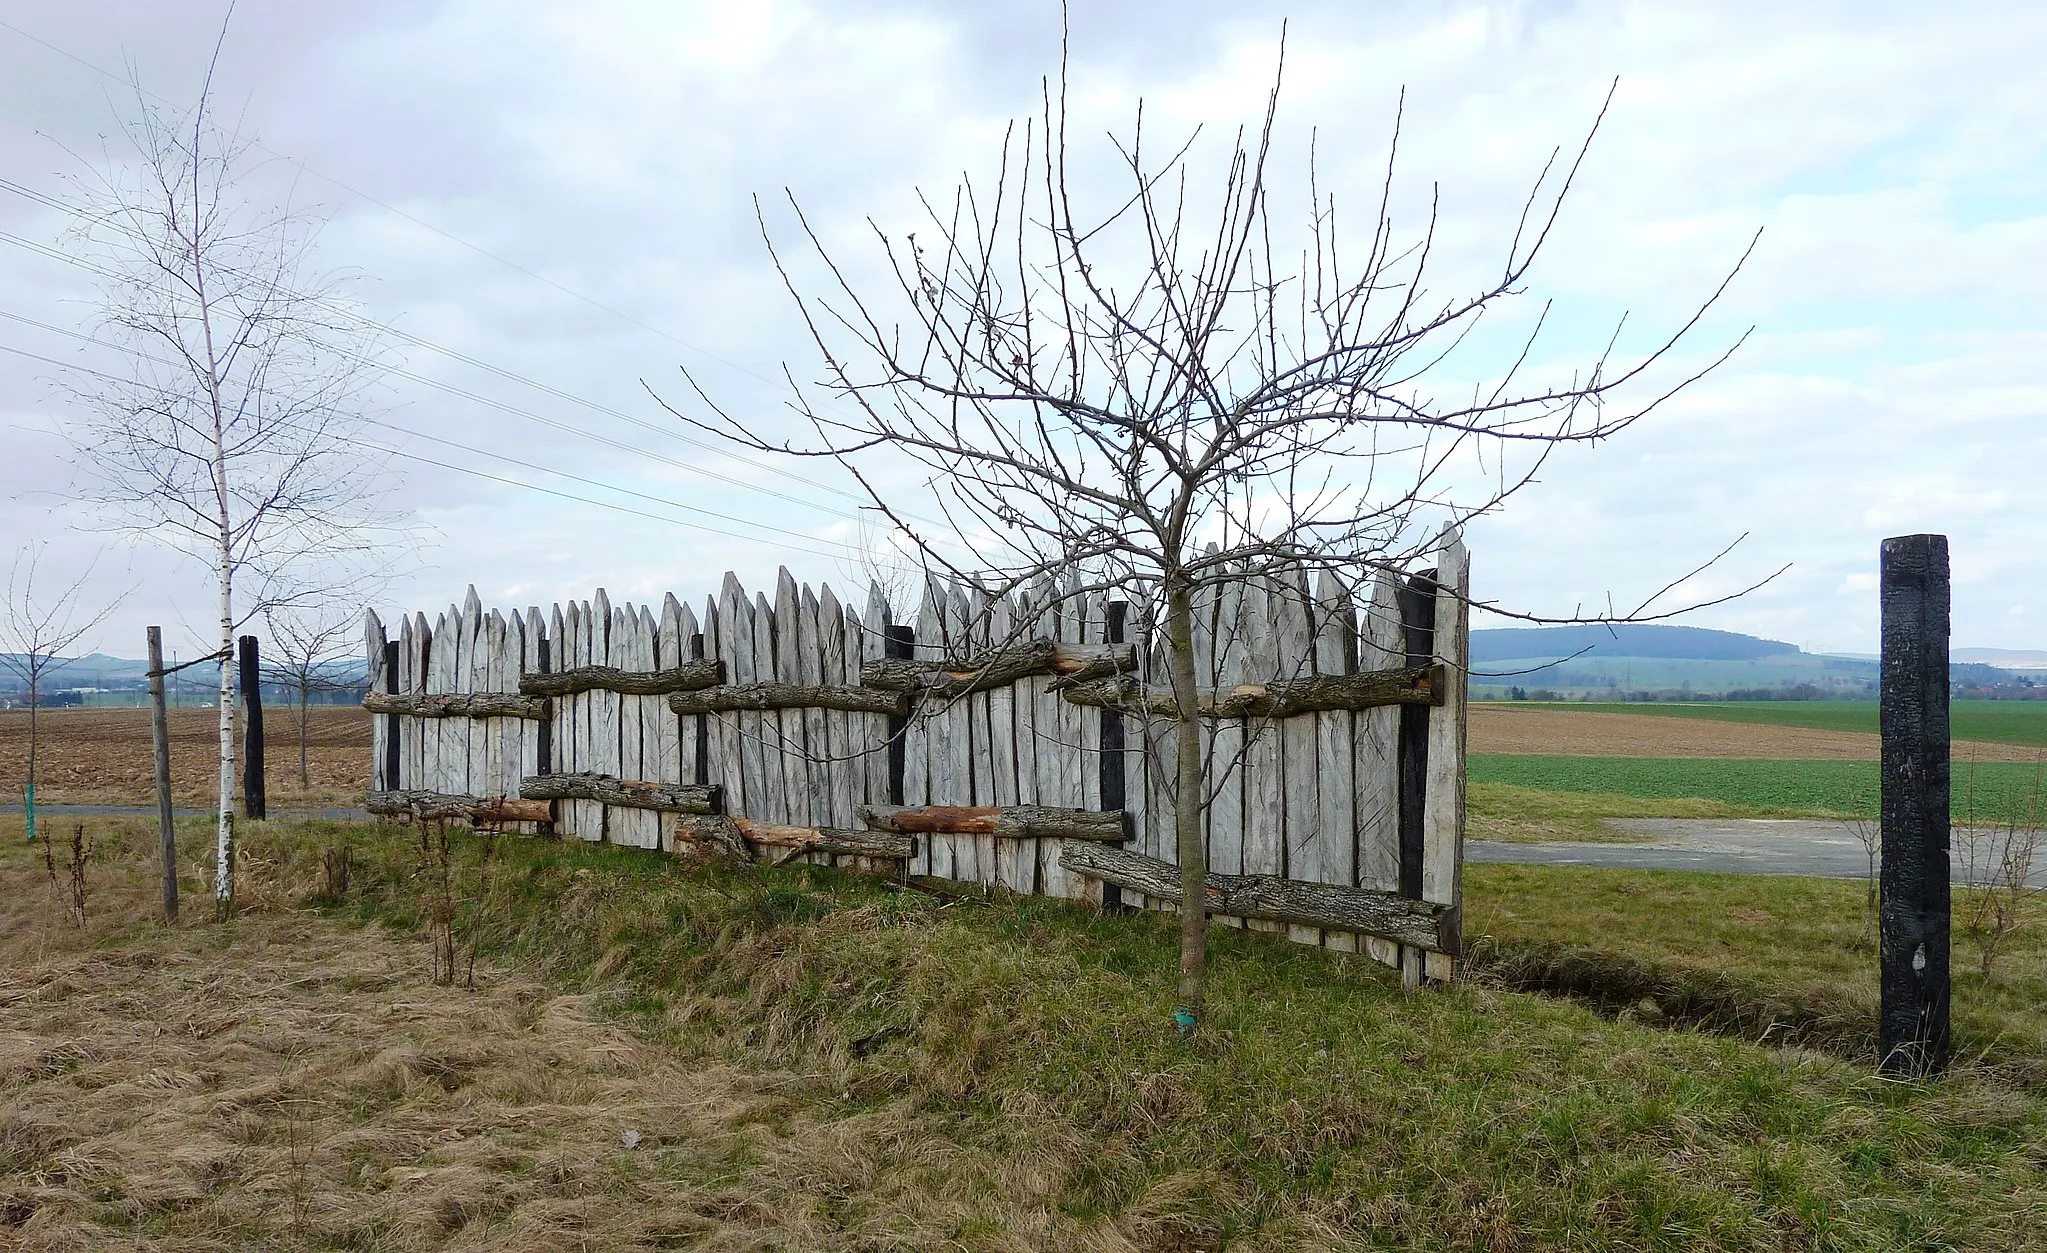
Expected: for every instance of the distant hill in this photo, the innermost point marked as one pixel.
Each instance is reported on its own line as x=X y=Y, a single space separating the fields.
x=1670 y=643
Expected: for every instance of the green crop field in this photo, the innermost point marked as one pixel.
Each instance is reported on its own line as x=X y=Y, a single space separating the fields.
x=1986 y=793
x=1995 y=721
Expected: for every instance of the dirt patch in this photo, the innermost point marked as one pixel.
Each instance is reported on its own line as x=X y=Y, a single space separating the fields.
x=105 y=756
x=1499 y=728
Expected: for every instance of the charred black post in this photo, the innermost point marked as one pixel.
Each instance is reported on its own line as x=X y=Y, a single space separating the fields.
x=1913 y=948
x=254 y=804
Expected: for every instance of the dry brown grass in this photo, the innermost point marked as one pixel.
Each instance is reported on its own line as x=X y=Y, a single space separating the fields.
x=292 y=1081
x=105 y=756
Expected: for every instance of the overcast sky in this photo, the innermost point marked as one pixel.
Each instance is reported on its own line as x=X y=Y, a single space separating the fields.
x=564 y=192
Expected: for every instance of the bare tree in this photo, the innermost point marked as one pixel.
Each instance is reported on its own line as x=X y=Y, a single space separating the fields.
x=37 y=627
x=233 y=436
x=310 y=646
x=1172 y=391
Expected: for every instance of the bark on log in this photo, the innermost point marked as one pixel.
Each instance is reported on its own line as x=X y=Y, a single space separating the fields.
x=1315 y=693
x=739 y=835
x=681 y=798
x=457 y=705
x=419 y=803
x=1016 y=822
x=687 y=677
x=1416 y=923
x=999 y=667
x=727 y=698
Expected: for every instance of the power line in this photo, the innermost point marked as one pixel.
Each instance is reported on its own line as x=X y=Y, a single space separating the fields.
x=592 y=301
x=58 y=254
x=848 y=550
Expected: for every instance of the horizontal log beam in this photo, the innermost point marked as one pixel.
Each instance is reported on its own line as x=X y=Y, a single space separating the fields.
x=457 y=704
x=687 y=677
x=1417 y=923
x=999 y=667
x=741 y=835
x=681 y=798
x=422 y=804
x=724 y=699
x=1315 y=693
x=1017 y=822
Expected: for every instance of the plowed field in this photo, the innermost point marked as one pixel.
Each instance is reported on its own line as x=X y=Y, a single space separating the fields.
x=104 y=756
x=1506 y=728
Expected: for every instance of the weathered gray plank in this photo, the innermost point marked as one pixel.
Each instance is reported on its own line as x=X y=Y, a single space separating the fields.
x=1016 y=864
x=1335 y=755
x=774 y=778
x=935 y=713
x=1443 y=803
x=917 y=737
x=1264 y=781
x=817 y=750
x=377 y=679
x=1381 y=643
x=959 y=742
x=727 y=758
x=1227 y=774
x=788 y=650
x=1301 y=815
x=671 y=648
x=871 y=635
x=470 y=678
x=840 y=766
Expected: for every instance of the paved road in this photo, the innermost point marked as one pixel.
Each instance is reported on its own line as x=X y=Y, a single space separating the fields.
x=1738 y=846
x=1723 y=845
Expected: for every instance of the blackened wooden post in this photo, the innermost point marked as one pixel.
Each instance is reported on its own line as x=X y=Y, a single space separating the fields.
x=253 y=800
x=392 y=757
x=160 y=732
x=1416 y=597
x=898 y=642
x=1913 y=949
x=1112 y=766
x=700 y=724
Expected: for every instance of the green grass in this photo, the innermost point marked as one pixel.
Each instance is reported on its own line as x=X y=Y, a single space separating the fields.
x=1526 y=815
x=1986 y=792
x=1801 y=942
x=1994 y=721
x=1322 y=1108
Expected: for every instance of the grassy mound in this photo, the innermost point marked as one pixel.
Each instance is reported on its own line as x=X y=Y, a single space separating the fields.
x=1001 y=1075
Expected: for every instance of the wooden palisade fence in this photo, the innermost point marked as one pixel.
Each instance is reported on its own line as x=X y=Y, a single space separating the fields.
x=809 y=728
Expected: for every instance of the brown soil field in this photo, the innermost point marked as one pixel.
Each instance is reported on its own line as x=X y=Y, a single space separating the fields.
x=1503 y=729
x=104 y=756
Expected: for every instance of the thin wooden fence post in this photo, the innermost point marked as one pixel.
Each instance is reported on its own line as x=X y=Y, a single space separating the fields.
x=1914 y=909
x=1112 y=777
x=1417 y=600
x=392 y=755
x=254 y=801
x=160 y=732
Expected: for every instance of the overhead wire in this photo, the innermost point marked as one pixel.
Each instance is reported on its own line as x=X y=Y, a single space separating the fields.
x=846 y=549
x=58 y=254
x=592 y=301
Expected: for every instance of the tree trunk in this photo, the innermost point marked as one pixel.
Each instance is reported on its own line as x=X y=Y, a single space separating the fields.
x=305 y=699
x=28 y=799
x=224 y=841
x=1192 y=850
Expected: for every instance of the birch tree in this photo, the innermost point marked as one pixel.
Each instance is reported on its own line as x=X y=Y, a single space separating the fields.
x=232 y=436
x=1174 y=379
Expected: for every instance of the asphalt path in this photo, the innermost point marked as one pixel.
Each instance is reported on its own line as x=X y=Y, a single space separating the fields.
x=1793 y=846
x=1790 y=846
